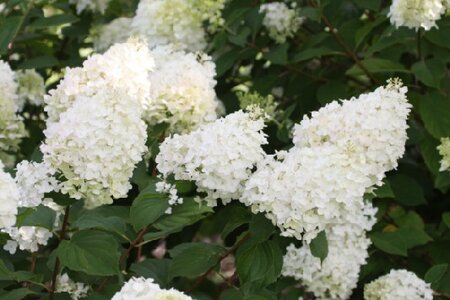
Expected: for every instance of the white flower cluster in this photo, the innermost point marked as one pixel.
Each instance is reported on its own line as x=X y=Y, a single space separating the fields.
x=124 y=66
x=218 y=156
x=177 y=22
x=34 y=181
x=416 y=13
x=76 y=290
x=31 y=87
x=182 y=90
x=92 y=5
x=139 y=288
x=26 y=238
x=171 y=190
x=30 y=237
x=444 y=151
x=12 y=129
x=281 y=21
x=9 y=197
x=337 y=275
x=8 y=85
x=117 y=31
x=398 y=285
x=342 y=151
x=95 y=134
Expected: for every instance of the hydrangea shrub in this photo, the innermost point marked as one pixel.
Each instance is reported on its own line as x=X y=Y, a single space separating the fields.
x=224 y=149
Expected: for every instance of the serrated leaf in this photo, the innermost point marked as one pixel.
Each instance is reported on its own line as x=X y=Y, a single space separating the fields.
x=8 y=30
x=406 y=190
x=261 y=228
x=236 y=216
x=430 y=72
x=158 y=269
x=260 y=263
x=41 y=216
x=148 y=207
x=92 y=252
x=398 y=242
x=435 y=113
x=187 y=213
x=107 y=218
x=377 y=65
x=435 y=274
x=193 y=259
x=410 y=219
x=319 y=246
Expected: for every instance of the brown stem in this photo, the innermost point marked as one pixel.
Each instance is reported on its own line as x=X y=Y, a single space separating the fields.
x=33 y=261
x=419 y=44
x=344 y=46
x=62 y=236
x=230 y=251
x=136 y=241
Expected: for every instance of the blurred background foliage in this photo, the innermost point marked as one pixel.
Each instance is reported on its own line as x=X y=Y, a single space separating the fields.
x=343 y=48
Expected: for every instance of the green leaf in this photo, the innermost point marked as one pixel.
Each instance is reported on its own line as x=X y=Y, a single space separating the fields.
x=369 y=4
x=90 y=251
x=384 y=191
x=148 y=207
x=332 y=90
x=398 y=242
x=241 y=38
x=278 y=54
x=260 y=263
x=364 y=31
x=310 y=53
x=158 y=269
x=446 y=219
x=54 y=21
x=236 y=216
x=377 y=65
x=430 y=154
x=319 y=246
x=182 y=215
x=435 y=113
x=44 y=61
x=9 y=27
x=61 y=199
x=41 y=216
x=261 y=228
x=109 y=218
x=310 y=13
x=193 y=259
x=439 y=36
x=141 y=177
x=17 y=294
x=410 y=219
x=231 y=294
x=435 y=274
x=226 y=61
x=5 y=273
x=430 y=72
x=406 y=190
